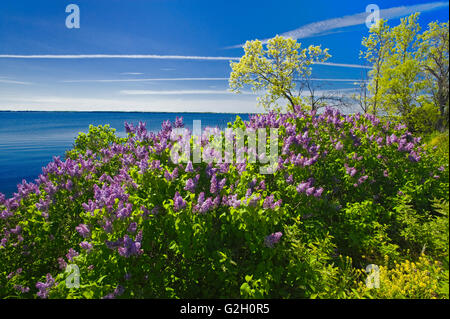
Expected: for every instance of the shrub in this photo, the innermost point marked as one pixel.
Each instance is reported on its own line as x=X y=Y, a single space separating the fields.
x=138 y=225
x=423 y=279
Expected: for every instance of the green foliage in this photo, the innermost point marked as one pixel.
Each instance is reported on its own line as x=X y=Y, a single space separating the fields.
x=274 y=69
x=96 y=139
x=409 y=76
x=423 y=119
x=222 y=253
x=423 y=279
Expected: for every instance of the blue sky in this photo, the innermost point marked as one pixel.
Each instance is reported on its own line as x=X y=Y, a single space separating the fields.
x=162 y=55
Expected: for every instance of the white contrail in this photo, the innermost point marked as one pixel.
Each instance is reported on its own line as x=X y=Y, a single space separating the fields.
x=131 y=73
x=14 y=82
x=147 y=80
x=319 y=27
x=335 y=80
x=189 y=79
x=116 y=56
x=343 y=65
x=176 y=92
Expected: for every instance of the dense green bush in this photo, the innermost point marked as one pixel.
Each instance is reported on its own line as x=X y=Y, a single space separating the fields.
x=348 y=191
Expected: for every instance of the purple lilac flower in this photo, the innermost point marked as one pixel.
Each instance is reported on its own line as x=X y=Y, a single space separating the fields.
x=129 y=127
x=254 y=200
x=310 y=191
x=318 y=192
x=62 y=264
x=132 y=228
x=414 y=157
x=45 y=287
x=108 y=226
x=71 y=254
x=233 y=201
x=190 y=185
x=178 y=202
x=206 y=206
x=290 y=179
x=272 y=239
x=213 y=188
x=339 y=146
x=362 y=179
x=117 y=292
x=124 y=211
x=222 y=183
x=351 y=171
x=179 y=122
x=262 y=185
x=189 y=167
x=270 y=204
x=85 y=245
x=83 y=230
x=130 y=247
x=302 y=187
x=16 y=230
x=22 y=289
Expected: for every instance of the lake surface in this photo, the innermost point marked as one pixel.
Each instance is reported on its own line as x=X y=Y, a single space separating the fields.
x=29 y=140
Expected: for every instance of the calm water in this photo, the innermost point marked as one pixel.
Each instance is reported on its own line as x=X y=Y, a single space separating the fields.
x=29 y=140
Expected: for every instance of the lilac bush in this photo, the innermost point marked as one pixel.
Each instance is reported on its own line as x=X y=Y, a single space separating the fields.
x=139 y=225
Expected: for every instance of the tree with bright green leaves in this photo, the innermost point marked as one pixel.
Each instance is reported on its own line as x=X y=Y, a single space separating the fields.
x=275 y=70
x=409 y=75
x=403 y=86
x=377 y=48
x=435 y=47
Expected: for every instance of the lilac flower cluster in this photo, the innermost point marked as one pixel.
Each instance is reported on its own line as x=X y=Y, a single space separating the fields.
x=44 y=287
x=272 y=239
x=126 y=246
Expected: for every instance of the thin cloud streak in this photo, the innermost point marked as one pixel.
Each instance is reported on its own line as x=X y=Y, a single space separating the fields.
x=146 y=80
x=338 y=80
x=320 y=27
x=117 y=56
x=184 y=79
x=343 y=65
x=14 y=82
x=131 y=73
x=177 y=92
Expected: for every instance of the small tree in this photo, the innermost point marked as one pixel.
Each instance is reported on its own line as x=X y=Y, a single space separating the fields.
x=275 y=69
x=402 y=80
x=315 y=96
x=362 y=98
x=410 y=72
x=377 y=49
